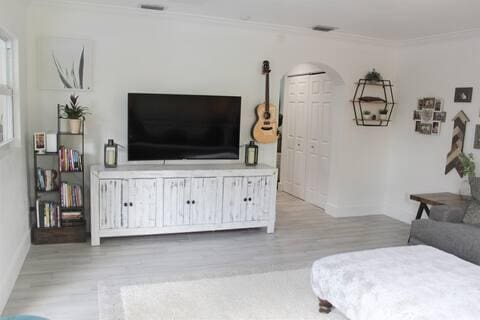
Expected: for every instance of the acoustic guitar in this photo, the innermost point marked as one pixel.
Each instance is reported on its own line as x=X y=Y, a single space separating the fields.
x=265 y=128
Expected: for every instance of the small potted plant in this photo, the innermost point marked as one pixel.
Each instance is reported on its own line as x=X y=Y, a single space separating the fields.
x=373 y=76
x=367 y=115
x=383 y=114
x=74 y=113
x=469 y=181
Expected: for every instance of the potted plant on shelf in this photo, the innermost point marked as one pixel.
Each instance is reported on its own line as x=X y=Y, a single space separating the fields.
x=383 y=114
x=74 y=113
x=373 y=76
x=367 y=115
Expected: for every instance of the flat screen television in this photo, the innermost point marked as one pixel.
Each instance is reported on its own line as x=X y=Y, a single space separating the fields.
x=174 y=126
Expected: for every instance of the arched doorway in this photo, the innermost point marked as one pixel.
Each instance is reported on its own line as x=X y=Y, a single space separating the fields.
x=310 y=92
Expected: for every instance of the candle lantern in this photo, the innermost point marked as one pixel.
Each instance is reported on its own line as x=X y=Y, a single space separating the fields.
x=251 y=154
x=111 y=154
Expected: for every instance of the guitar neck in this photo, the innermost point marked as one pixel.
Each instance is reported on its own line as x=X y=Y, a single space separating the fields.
x=267 y=92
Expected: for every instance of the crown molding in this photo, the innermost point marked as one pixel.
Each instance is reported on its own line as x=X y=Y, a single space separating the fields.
x=176 y=16
x=442 y=37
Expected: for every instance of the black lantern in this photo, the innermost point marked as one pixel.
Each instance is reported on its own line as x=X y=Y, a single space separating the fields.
x=251 y=154
x=111 y=154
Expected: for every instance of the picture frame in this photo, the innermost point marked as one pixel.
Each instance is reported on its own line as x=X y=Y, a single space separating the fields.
x=426 y=128
x=416 y=115
x=429 y=103
x=476 y=140
x=440 y=116
x=463 y=95
x=65 y=64
x=436 y=127
x=39 y=142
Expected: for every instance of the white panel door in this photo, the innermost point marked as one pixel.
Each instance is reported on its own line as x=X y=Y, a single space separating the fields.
x=205 y=201
x=296 y=135
x=142 y=198
x=176 y=199
x=318 y=146
x=113 y=203
x=235 y=199
x=258 y=198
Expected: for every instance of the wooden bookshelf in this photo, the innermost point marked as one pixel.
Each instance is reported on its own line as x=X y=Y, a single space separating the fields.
x=70 y=232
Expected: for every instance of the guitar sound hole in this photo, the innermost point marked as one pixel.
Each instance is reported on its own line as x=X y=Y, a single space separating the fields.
x=267 y=115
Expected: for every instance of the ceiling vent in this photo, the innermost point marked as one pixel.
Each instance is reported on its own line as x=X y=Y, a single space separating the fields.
x=323 y=28
x=152 y=7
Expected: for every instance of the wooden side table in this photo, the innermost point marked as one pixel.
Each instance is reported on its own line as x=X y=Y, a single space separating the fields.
x=436 y=199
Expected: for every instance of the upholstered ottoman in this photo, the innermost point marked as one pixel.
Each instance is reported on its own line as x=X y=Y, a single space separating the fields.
x=415 y=282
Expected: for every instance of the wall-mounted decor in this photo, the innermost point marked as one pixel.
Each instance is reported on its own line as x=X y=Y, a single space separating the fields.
x=453 y=157
x=476 y=141
x=429 y=115
x=373 y=101
x=65 y=64
x=463 y=94
x=39 y=142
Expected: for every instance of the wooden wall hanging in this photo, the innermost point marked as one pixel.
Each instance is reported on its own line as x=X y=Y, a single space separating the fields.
x=459 y=129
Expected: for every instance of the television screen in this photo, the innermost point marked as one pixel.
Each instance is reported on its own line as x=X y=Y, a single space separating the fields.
x=172 y=126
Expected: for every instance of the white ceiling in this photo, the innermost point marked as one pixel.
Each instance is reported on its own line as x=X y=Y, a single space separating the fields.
x=385 y=19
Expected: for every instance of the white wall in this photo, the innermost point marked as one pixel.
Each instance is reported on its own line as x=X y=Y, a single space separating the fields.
x=155 y=52
x=14 y=225
x=417 y=162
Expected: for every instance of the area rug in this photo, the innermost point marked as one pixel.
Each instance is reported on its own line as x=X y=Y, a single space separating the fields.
x=272 y=295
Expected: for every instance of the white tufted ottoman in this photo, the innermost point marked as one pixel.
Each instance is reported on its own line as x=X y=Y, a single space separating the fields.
x=400 y=283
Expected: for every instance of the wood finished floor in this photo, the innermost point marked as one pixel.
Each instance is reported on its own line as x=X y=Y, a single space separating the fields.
x=60 y=281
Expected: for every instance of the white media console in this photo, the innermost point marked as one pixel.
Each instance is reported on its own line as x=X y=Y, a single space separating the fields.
x=134 y=200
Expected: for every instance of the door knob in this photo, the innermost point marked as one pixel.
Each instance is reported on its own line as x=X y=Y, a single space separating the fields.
x=188 y=201
x=245 y=199
x=193 y=202
x=125 y=204
x=131 y=204
x=249 y=199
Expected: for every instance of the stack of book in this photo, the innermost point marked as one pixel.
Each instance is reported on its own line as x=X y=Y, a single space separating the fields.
x=72 y=218
x=48 y=214
x=46 y=179
x=71 y=195
x=70 y=160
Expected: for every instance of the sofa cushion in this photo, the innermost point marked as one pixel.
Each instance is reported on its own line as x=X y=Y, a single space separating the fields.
x=472 y=214
x=460 y=239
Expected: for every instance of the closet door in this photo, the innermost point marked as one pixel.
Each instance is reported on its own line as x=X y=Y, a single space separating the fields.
x=296 y=135
x=176 y=201
x=319 y=133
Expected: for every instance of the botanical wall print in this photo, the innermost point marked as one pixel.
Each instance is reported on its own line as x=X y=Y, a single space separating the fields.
x=429 y=115
x=453 y=157
x=65 y=64
x=463 y=94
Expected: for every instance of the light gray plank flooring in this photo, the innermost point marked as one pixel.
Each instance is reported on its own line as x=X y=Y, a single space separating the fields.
x=61 y=281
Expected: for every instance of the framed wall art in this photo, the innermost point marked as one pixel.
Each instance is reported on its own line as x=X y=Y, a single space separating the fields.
x=429 y=115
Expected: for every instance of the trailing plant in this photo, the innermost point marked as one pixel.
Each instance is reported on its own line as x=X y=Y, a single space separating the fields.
x=373 y=76
x=468 y=164
x=367 y=113
x=73 y=110
x=383 y=111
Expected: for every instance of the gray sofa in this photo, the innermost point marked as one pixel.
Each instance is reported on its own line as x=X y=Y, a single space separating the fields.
x=446 y=231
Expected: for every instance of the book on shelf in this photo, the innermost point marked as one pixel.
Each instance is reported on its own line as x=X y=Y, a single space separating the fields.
x=48 y=214
x=69 y=160
x=72 y=218
x=46 y=179
x=71 y=195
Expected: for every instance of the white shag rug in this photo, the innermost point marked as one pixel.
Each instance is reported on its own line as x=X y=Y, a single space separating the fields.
x=274 y=295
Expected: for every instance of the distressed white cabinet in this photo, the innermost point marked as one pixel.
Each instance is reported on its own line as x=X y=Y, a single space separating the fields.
x=247 y=198
x=145 y=199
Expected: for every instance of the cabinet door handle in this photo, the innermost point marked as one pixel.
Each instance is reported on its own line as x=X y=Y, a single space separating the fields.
x=245 y=199
x=131 y=204
x=125 y=204
x=188 y=201
x=249 y=199
x=193 y=202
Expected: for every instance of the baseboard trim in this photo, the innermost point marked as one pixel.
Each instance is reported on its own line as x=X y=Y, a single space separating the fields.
x=400 y=214
x=8 y=279
x=352 y=211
